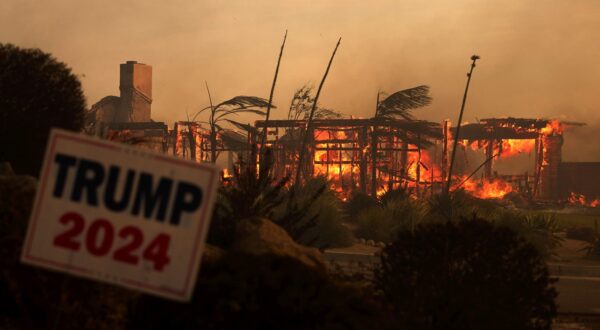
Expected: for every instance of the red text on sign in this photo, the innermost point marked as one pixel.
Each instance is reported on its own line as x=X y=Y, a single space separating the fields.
x=100 y=236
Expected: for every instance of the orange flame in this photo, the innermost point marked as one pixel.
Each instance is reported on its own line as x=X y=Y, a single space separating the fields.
x=507 y=148
x=493 y=188
x=554 y=127
x=579 y=199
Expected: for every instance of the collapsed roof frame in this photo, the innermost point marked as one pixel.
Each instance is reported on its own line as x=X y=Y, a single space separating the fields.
x=370 y=155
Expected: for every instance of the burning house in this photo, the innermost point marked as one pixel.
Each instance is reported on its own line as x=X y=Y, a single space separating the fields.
x=502 y=138
x=368 y=155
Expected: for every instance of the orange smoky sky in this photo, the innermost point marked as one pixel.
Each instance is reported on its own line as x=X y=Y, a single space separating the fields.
x=539 y=58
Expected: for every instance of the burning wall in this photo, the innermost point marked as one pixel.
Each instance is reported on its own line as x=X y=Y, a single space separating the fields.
x=503 y=138
x=371 y=155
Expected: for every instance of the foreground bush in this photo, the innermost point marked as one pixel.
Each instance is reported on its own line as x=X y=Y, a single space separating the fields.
x=37 y=92
x=582 y=233
x=466 y=275
x=255 y=193
x=326 y=213
x=538 y=229
x=383 y=222
x=264 y=292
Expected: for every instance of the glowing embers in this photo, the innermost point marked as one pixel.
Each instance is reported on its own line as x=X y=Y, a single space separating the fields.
x=486 y=188
x=581 y=200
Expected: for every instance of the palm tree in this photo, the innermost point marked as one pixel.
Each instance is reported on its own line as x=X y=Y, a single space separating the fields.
x=398 y=107
x=220 y=112
x=400 y=103
x=301 y=105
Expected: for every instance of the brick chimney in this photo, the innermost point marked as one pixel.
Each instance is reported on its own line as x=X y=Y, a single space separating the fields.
x=136 y=92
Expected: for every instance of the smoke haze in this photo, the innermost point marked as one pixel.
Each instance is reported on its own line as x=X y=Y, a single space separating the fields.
x=539 y=58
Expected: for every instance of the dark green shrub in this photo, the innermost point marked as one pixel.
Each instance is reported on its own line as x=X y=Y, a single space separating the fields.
x=468 y=274
x=458 y=205
x=36 y=93
x=383 y=222
x=264 y=292
x=538 y=229
x=258 y=194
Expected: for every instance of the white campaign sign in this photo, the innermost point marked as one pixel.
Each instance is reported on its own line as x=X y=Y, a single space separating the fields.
x=119 y=214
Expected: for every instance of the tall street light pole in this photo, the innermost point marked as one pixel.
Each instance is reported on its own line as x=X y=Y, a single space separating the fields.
x=474 y=58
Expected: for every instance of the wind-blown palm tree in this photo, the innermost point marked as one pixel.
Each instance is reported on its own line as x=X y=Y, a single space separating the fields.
x=301 y=105
x=222 y=111
x=399 y=105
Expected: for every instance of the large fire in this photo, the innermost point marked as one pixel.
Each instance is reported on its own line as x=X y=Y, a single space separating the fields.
x=337 y=157
x=336 y=165
x=506 y=147
x=486 y=188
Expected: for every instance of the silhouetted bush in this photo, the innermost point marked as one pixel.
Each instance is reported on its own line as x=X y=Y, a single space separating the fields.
x=255 y=193
x=264 y=292
x=592 y=249
x=324 y=212
x=383 y=222
x=356 y=204
x=468 y=274
x=458 y=205
x=36 y=93
x=582 y=233
x=538 y=229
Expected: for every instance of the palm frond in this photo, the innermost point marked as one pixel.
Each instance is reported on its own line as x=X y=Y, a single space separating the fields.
x=245 y=127
x=322 y=113
x=234 y=140
x=400 y=103
x=199 y=112
x=245 y=102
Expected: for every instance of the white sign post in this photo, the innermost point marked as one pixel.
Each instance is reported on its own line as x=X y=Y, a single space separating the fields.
x=119 y=214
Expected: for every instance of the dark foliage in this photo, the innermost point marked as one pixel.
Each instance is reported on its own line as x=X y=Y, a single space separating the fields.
x=322 y=225
x=400 y=103
x=256 y=194
x=582 y=233
x=401 y=193
x=592 y=250
x=301 y=105
x=357 y=203
x=264 y=292
x=466 y=275
x=223 y=111
x=458 y=205
x=36 y=93
x=398 y=107
x=252 y=194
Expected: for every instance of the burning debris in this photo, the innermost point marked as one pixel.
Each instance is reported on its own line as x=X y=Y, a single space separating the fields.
x=581 y=200
x=392 y=150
